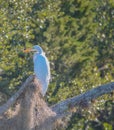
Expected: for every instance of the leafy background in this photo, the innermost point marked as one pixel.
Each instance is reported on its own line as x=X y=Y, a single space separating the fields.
x=78 y=38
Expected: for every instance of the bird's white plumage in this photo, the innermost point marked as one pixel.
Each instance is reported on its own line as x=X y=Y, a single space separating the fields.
x=41 y=68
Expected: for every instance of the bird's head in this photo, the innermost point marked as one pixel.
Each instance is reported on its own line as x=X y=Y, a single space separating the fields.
x=35 y=48
x=38 y=49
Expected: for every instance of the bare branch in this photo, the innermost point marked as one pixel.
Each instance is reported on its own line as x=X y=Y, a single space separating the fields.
x=13 y=99
x=62 y=107
x=31 y=111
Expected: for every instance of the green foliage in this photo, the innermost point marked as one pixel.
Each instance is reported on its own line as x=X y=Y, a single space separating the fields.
x=78 y=38
x=94 y=119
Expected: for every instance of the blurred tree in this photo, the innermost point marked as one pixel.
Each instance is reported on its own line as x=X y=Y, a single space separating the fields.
x=77 y=36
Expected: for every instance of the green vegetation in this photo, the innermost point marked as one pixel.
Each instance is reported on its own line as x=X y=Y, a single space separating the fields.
x=78 y=38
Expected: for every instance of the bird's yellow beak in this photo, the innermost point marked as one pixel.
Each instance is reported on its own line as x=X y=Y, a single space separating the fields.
x=27 y=50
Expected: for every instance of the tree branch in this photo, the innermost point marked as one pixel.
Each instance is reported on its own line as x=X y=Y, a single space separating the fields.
x=13 y=99
x=62 y=107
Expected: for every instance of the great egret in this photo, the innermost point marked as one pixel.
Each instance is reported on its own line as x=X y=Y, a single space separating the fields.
x=41 y=67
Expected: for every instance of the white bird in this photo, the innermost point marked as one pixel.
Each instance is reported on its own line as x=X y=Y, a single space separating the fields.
x=41 y=67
